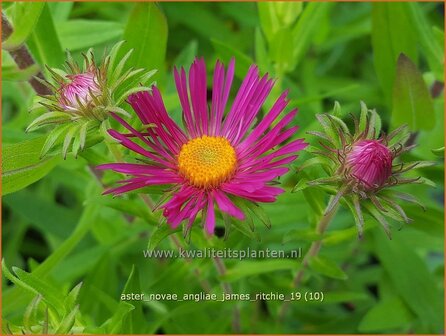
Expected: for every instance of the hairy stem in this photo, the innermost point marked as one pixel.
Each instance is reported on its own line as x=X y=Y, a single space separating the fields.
x=22 y=57
x=227 y=289
x=312 y=252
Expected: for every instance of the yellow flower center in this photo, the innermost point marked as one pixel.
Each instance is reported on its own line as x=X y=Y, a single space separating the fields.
x=207 y=162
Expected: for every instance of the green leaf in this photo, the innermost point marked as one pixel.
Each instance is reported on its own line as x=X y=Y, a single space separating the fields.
x=44 y=42
x=25 y=17
x=244 y=226
x=307 y=235
x=44 y=214
x=307 y=25
x=275 y=16
x=22 y=166
x=226 y=52
x=388 y=314
x=187 y=55
x=49 y=294
x=205 y=23
x=61 y=10
x=131 y=207
x=114 y=324
x=68 y=139
x=146 y=33
x=53 y=138
x=158 y=235
x=429 y=221
x=439 y=152
x=280 y=51
x=48 y=118
x=412 y=280
x=135 y=321
x=13 y=73
x=71 y=299
x=29 y=318
x=261 y=55
x=83 y=34
x=67 y=322
x=392 y=34
x=87 y=219
x=245 y=269
x=432 y=47
x=345 y=296
x=327 y=267
x=412 y=103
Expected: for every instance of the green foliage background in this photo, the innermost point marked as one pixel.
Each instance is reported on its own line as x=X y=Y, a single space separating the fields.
x=59 y=231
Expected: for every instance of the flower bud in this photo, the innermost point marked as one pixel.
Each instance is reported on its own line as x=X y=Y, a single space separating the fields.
x=78 y=90
x=83 y=97
x=361 y=166
x=370 y=163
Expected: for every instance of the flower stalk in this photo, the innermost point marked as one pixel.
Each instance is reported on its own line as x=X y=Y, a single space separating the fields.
x=227 y=289
x=312 y=252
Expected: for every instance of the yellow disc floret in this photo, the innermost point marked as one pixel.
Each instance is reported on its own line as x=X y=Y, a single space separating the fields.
x=207 y=162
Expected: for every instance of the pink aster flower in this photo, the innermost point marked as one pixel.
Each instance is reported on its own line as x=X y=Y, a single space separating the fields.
x=370 y=162
x=217 y=157
x=79 y=90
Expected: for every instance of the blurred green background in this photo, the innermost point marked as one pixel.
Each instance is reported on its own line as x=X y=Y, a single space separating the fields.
x=62 y=231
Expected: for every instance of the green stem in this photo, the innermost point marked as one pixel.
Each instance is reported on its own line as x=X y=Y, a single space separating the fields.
x=227 y=289
x=311 y=253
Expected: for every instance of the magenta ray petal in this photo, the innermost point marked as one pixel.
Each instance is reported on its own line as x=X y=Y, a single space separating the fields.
x=182 y=194
x=124 y=188
x=227 y=206
x=264 y=176
x=140 y=182
x=181 y=84
x=154 y=112
x=265 y=194
x=287 y=149
x=249 y=81
x=272 y=138
x=150 y=109
x=277 y=108
x=198 y=94
x=210 y=216
x=220 y=94
x=137 y=134
x=199 y=204
x=137 y=148
x=177 y=217
x=250 y=108
x=133 y=168
x=263 y=164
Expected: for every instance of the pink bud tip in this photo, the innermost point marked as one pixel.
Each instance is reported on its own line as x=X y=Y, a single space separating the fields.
x=79 y=86
x=370 y=162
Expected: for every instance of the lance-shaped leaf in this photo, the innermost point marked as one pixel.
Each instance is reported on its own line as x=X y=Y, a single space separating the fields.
x=22 y=165
x=412 y=103
x=24 y=16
